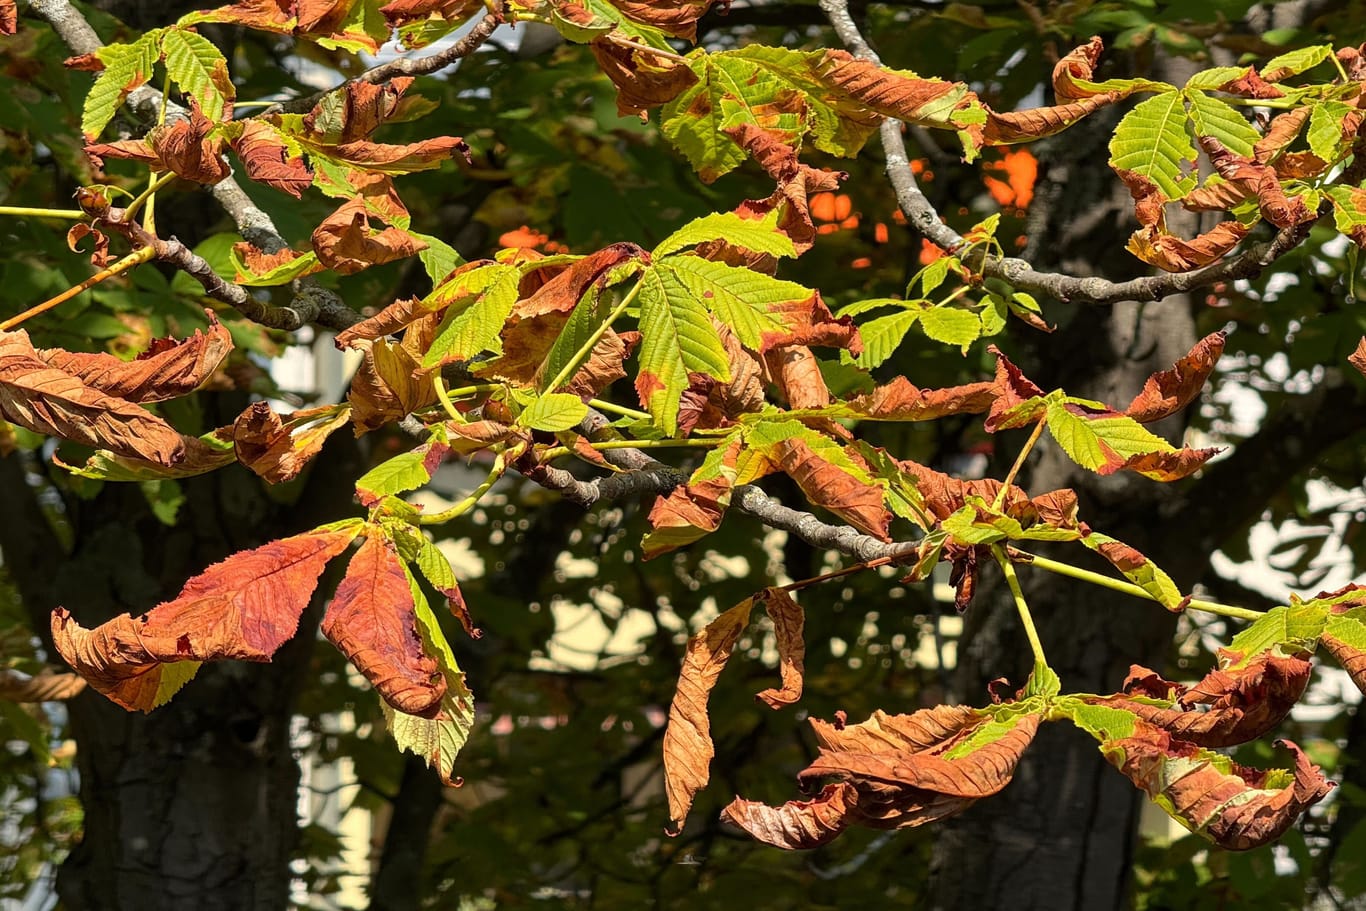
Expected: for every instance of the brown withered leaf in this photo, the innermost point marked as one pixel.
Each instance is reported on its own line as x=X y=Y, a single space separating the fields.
x=45 y=686
x=688 y=748
x=891 y=94
x=50 y=401
x=372 y=621
x=980 y=773
x=356 y=110
x=389 y=386
x=1352 y=659
x=797 y=374
x=1168 y=391
x=404 y=12
x=243 y=608
x=710 y=403
x=644 y=81
x=200 y=458
x=99 y=253
x=798 y=825
x=279 y=449
x=315 y=19
x=1238 y=705
x=676 y=17
x=267 y=160
x=788 y=622
x=797 y=183
x=902 y=400
x=259 y=262
x=1162 y=466
x=345 y=243
x=168 y=369
x=399 y=159
x=1251 y=85
x=1279 y=134
x=1235 y=807
x=1215 y=196
x=917 y=732
x=1174 y=254
x=183 y=147
x=688 y=513
x=829 y=487
x=1261 y=181
x=604 y=366
x=9 y=17
x=1358 y=357
x=1014 y=394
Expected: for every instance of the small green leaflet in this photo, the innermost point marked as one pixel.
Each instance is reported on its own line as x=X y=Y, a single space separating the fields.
x=758 y=234
x=439 y=259
x=1220 y=120
x=199 y=68
x=1325 y=131
x=1289 y=629
x=1214 y=77
x=405 y=471
x=677 y=338
x=749 y=302
x=881 y=337
x=1147 y=575
x=554 y=411
x=1295 y=62
x=282 y=274
x=473 y=327
x=951 y=326
x=1095 y=442
x=126 y=67
x=1152 y=141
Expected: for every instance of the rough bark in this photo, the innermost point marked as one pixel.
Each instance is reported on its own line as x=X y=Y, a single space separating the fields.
x=194 y=802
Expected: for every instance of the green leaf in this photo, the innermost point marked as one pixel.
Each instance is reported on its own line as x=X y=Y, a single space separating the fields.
x=677 y=338
x=758 y=234
x=1222 y=121
x=1325 y=130
x=1297 y=61
x=439 y=259
x=472 y=326
x=197 y=66
x=1215 y=77
x=951 y=326
x=1152 y=141
x=1289 y=629
x=1138 y=569
x=1096 y=442
x=881 y=337
x=554 y=411
x=126 y=67
x=1043 y=681
x=1100 y=721
x=749 y=302
x=405 y=471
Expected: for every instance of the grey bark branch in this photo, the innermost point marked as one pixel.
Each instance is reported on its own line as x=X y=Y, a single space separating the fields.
x=312 y=303
x=921 y=214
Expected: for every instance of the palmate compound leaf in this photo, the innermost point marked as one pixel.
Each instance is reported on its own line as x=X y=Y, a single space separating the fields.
x=1235 y=807
x=243 y=608
x=51 y=401
x=896 y=771
x=372 y=621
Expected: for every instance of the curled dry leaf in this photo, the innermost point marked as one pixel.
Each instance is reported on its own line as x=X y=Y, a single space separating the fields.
x=45 y=686
x=279 y=449
x=372 y=621
x=1261 y=181
x=788 y=623
x=346 y=243
x=267 y=159
x=826 y=485
x=356 y=110
x=797 y=374
x=1236 y=705
x=1235 y=807
x=892 y=773
x=1358 y=357
x=1154 y=245
x=243 y=608
x=676 y=17
x=1168 y=391
x=902 y=400
x=797 y=183
x=99 y=253
x=689 y=512
x=389 y=386
x=688 y=748
x=50 y=401
x=1351 y=657
x=644 y=81
x=1018 y=400
x=187 y=148
x=168 y=369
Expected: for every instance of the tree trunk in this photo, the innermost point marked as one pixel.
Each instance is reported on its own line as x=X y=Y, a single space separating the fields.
x=194 y=802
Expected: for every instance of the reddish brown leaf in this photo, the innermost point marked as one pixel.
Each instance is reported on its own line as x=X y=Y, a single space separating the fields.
x=386 y=322
x=389 y=386
x=184 y=147
x=372 y=621
x=797 y=183
x=688 y=747
x=1238 y=705
x=891 y=94
x=883 y=733
x=316 y=19
x=1079 y=64
x=1279 y=134
x=1261 y=181
x=1163 y=466
x=1014 y=392
x=1174 y=254
x=356 y=111
x=829 y=487
x=810 y=322
x=267 y=160
x=399 y=159
x=709 y=403
x=278 y=450
x=258 y=262
x=346 y=243
x=688 y=513
x=902 y=400
x=243 y=608
x=1358 y=357
x=47 y=400
x=1239 y=809
x=9 y=17
x=403 y=12
x=1168 y=391
x=99 y=253
x=798 y=825
x=168 y=369
x=797 y=374
x=788 y=623
x=1251 y=85
x=644 y=81
x=1352 y=659
x=676 y=17
x=1215 y=196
